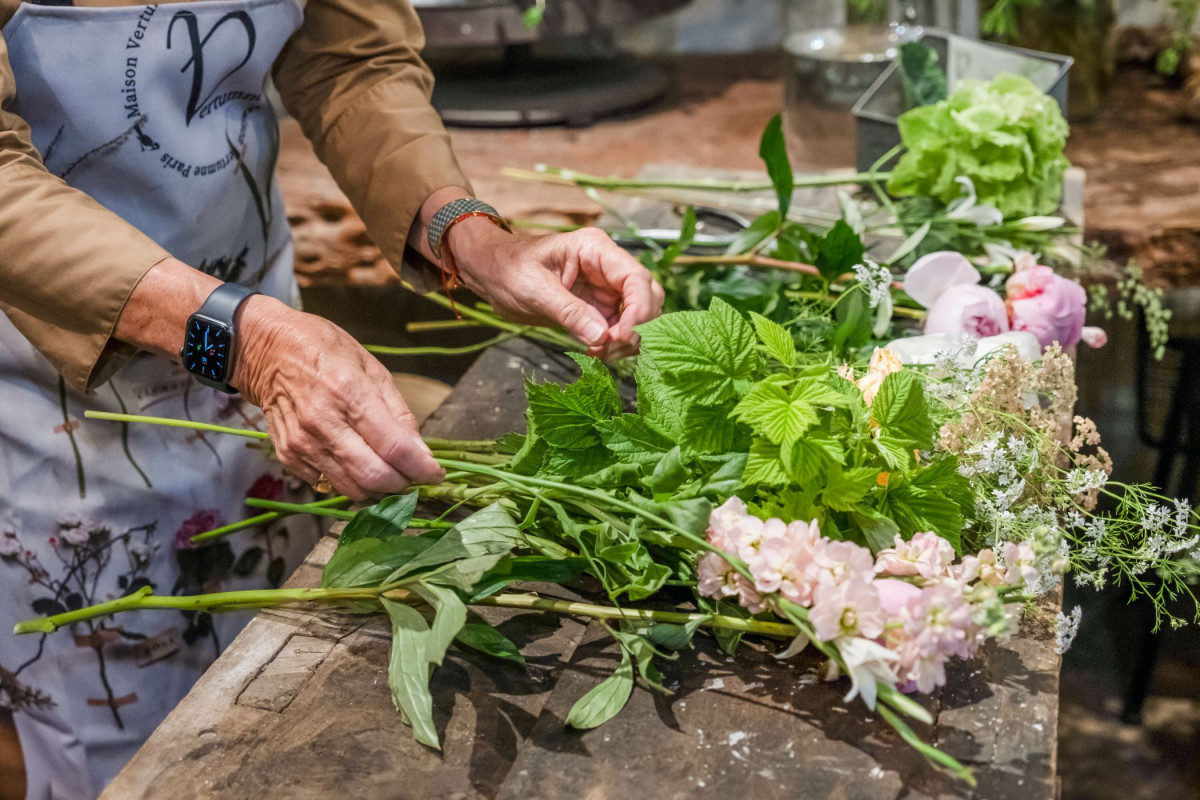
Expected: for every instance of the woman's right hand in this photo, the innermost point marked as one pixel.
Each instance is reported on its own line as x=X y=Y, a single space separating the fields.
x=332 y=409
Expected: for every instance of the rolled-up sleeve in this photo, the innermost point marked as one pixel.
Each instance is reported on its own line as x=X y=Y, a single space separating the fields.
x=67 y=264
x=354 y=79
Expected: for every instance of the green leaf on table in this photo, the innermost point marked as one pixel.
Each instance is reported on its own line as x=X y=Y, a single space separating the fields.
x=409 y=670
x=387 y=518
x=670 y=636
x=924 y=81
x=845 y=489
x=527 y=569
x=467 y=550
x=901 y=411
x=450 y=614
x=368 y=562
x=605 y=700
x=566 y=416
x=754 y=234
x=772 y=149
x=775 y=339
x=702 y=355
x=489 y=641
x=839 y=252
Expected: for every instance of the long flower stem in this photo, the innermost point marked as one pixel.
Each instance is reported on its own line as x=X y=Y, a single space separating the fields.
x=263 y=519
x=568 y=177
x=432 y=350
x=334 y=513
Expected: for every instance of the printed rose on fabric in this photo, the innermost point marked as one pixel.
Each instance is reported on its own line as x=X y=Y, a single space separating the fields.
x=203 y=520
x=266 y=487
x=1044 y=303
x=10 y=545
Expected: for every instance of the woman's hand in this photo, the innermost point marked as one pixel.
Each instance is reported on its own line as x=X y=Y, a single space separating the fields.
x=332 y=409
x=581 y=281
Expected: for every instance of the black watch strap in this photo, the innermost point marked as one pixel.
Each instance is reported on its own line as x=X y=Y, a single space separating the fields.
x=225 y=300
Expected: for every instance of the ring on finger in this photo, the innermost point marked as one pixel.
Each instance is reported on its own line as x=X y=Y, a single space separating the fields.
x=323 y=485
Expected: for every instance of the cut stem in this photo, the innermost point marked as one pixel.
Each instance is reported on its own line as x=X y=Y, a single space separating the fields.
x=263 y=519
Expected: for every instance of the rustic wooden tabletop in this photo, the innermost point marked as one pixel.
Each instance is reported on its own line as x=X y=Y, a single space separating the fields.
x=298 y=706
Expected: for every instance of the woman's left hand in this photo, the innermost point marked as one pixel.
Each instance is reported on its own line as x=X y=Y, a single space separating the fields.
x=581 y=281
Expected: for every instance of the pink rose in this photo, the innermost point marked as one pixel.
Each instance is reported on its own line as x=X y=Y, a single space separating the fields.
x=1047 y=305
x=968 y=309
x=202 y=521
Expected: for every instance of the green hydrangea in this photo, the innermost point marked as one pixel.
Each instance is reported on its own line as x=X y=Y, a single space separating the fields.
x=1006 y=135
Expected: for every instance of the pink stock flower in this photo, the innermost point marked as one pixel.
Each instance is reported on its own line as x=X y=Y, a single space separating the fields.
x=715 y=577
x=722 y=521
x=850 y=608
x=894 y=596
x=990 y=573
x=937 y=624
x=968 y=309
x=1020 y=565
x=926 y=554
x=839 y=562
x=782 y=562
x=1046 y=304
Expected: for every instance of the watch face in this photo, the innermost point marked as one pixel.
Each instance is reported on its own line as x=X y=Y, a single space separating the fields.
x=207 y=349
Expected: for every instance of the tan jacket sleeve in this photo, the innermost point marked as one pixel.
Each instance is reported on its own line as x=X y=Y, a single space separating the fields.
x=353 y=77
x=67 y=264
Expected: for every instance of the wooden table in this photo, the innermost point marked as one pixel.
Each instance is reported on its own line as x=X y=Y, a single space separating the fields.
x=298 y=706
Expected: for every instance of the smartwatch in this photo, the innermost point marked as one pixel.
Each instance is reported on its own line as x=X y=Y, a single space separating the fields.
x=210 y=342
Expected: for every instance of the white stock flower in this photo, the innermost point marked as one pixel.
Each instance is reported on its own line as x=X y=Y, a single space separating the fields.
x=1066 y=627
x=867 y=663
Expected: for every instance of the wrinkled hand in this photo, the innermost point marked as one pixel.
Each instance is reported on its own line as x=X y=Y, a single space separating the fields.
x=331 y=408
x=581 y=281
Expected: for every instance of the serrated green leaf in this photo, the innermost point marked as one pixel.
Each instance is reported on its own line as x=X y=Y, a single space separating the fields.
x=409 y=670
x=775 y=339
x=489 y=641
x=772 y=149
x=845 y=489
x=819 y=393
x=727 y=477
x=879 y=531
x=669 y=474
x=566 y=415
x=633 y=440
x=656 y=403
x=701 y=354
x=897 y=453
x=531 y=455
x=915 y=510
x=577 y=463
x=764 y=466
x=808 y=458
x=710 y=429
x=901 y=411
x=771 y=412
x=604 y=701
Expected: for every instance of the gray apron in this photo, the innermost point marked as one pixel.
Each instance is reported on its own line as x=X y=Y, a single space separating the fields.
x=160 y=114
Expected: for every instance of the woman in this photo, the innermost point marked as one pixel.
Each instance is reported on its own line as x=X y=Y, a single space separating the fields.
x=136 y=196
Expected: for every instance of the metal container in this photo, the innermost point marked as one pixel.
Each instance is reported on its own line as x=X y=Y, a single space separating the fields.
x=876 y=111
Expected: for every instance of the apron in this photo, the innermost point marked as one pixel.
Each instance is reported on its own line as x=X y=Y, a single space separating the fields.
x=159 y=112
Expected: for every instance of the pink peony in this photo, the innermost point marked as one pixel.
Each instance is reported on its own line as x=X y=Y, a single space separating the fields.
x=1047 y=305
x=933 y=273
x=927 y=555
x=851 y=608
x=968 y=309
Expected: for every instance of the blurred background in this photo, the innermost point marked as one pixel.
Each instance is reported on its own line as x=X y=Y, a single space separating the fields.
x=619 y=87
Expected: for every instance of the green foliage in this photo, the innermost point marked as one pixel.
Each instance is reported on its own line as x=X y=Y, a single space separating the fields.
x=1005 y=135
x=772 y=149
x=603 y=702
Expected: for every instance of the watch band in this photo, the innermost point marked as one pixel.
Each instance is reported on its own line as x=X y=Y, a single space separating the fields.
x=455 y=211
x=225 y=300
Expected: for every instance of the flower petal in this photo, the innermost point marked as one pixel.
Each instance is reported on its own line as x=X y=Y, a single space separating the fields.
x=934 y=273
